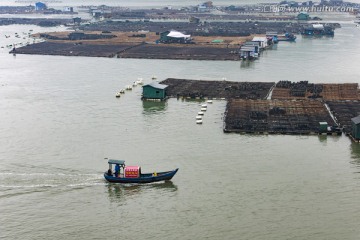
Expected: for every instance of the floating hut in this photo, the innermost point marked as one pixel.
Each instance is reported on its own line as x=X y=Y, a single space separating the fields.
x=318 y=30
x=249 y=52
x=154 y=90
x=174 y=37
x=262 y=40
x=355 y=128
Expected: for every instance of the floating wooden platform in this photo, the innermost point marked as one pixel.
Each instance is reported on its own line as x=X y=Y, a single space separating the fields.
x=275 y=117
x=304 y=90
x=299 y=111
x=216 y=89
x=343 y=111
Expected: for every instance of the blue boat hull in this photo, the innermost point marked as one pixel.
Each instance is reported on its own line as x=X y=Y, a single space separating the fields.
x=144 y=178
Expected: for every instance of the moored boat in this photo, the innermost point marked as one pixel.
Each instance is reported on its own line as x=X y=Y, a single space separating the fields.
x=132 y=174
x=288 y=37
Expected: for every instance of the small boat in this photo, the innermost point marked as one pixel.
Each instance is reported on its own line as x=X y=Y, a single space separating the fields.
x=203 y=109
x=200 y=113
x=209 y=101
x=132 y=174
x=198 y=117
x=199 y=121
x=204 y=106
x=117 y=95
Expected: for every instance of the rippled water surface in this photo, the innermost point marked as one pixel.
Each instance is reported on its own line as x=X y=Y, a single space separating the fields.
x=59 y=119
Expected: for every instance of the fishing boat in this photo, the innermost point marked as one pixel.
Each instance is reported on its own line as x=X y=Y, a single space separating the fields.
x=133 y=174
x=287 y=37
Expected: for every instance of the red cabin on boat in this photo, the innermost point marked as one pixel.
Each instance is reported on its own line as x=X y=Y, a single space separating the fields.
x=132 y=171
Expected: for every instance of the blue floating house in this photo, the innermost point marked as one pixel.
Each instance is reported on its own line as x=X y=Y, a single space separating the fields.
x=39 y=6
x=154 y=91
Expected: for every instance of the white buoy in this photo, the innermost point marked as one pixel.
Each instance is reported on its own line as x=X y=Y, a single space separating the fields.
x=200 y=113
x=203 y=109
x=117 y=95
x=198 y=117
x=209 y=101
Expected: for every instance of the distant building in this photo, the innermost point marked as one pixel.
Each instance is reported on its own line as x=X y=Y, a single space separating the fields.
x=303 y=16
x=39 y=6
x=355 y=127
x=154 y=90
x=68 y=9
x=202 y=8
x=208 y=4
x=336 y=2
x=77 y=20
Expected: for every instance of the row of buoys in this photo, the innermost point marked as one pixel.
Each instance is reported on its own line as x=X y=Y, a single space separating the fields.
x=129 y=87
x=26 y=36
x=22 y=43
x=200 y=115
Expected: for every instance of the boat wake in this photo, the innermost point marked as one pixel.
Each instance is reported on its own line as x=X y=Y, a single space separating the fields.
x=15 y=183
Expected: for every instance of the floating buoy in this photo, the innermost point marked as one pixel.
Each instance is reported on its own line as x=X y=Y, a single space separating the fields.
x=198 y=117
x=209 y=101
x=200 y=113
x=203 y=109
x=117 y=95
x=198 y=121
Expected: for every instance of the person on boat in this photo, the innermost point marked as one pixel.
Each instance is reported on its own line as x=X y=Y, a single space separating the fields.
x=117 y=170
x=109 y=173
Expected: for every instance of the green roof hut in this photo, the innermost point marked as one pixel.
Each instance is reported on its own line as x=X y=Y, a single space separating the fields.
x=303 y=16
x=355 y=127
x=154 y=90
